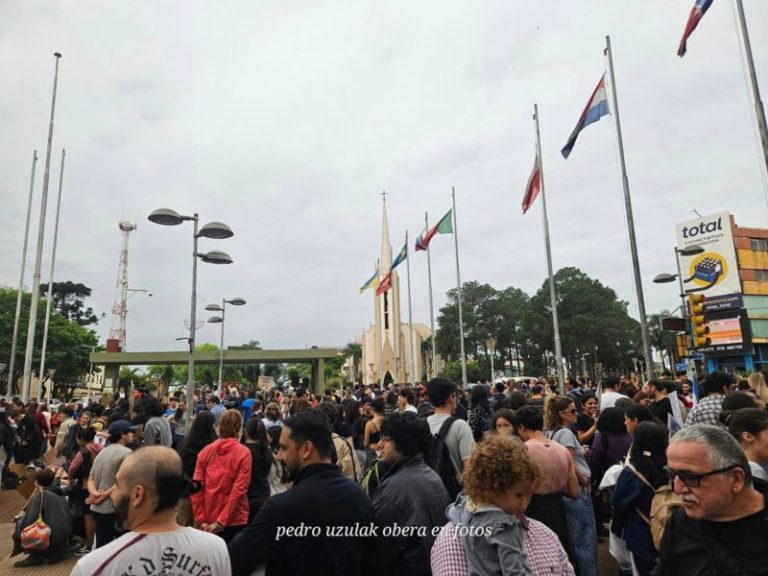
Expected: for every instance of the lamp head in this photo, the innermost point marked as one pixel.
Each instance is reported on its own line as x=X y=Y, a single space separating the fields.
x=664 y=278
x=236 y=302
x=691 y=250
x=216 y=230
x=214 y=308
x=215 y=320
x=216 y=257
x=166 y=217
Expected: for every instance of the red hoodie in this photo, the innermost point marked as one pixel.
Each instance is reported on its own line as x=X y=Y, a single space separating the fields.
x=224 y=470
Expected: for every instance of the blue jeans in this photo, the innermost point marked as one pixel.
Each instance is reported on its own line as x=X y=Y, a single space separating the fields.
x=581 y=525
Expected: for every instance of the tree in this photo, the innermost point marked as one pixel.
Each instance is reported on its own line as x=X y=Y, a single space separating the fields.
x=355 y=350
x=479 y=313
x=69 y=301
x=663 y=340
x=593 y=321
x=68 y=346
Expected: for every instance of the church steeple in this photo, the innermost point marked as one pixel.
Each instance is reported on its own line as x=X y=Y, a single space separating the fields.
x=386 y=247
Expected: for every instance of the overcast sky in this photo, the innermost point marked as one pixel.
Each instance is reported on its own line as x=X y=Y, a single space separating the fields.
x=286 y=120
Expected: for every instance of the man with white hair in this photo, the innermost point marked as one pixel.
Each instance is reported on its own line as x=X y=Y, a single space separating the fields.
x=722 y=527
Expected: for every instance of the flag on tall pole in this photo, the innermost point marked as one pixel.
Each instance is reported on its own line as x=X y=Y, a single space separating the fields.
x=401 y=256
x=372 y=282
x=453 y=229
x=431 y=303
x=644 y=332
x=443 y=226
x=697 y=13
x=412 y=376
x=533 y=187
x=596 y=108
x=552 y=293
x=385 y=284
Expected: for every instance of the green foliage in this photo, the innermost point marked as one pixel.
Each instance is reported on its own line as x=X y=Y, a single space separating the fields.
x=69 y=301
x=355 y=350
x=68 y=347
x=475 y=372
x=592 y=320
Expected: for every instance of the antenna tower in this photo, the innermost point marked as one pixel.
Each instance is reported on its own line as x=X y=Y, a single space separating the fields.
x=120 y=307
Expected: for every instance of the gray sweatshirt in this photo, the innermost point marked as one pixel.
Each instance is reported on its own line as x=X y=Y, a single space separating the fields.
x=492 y=539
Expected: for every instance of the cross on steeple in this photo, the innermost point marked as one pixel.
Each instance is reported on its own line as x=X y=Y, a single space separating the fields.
x=384 y=195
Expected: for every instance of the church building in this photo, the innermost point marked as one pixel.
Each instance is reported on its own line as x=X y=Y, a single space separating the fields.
x=392 y=349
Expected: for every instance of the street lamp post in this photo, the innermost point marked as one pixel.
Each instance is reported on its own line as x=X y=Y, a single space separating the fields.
x=220 y=320
x=666 y=278
x=491 y=345
x=214 y=230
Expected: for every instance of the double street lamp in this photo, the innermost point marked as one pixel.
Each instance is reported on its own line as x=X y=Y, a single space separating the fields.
x=213 y=230
x=220 y=320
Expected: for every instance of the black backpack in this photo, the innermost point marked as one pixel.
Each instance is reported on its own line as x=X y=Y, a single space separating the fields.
x=440 y=460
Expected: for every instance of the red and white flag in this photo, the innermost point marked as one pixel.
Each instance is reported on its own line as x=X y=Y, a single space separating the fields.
x=534 y=186
x=385 y=284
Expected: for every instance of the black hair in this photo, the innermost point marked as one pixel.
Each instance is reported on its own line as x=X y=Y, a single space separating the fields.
x=410 y=433
x=85 y=434
x=648 y=453
x=377 y=404
x=255 y=430
x=439 y=391
x=750 y=420
x=408 y=394
x=213 y=399
x=152 y=406
x=530 y=417
x=391 y=398
x=716 y=383
x=44 y=477
x=197 y=437
x=639 y=412
x=479 y=397
x=328 y=410
x=516 y=400
x=660 y=385
x=735 y=401
x=610 y=382
x=311 y=427
x=499 y=387
x=611 y=420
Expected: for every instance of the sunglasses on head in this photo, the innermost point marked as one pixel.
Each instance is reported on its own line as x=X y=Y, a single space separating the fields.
x=693 y=479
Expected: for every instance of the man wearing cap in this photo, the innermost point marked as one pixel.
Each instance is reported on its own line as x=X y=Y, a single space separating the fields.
x=101 y=482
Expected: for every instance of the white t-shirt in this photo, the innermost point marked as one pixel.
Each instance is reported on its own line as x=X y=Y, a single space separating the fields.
x=608 y=399
x=182 y=553
x=410 y=408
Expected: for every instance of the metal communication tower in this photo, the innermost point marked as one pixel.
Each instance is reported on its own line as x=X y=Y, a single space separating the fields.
x=120 y=307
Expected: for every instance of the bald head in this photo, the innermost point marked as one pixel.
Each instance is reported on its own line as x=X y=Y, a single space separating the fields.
x=159 y=470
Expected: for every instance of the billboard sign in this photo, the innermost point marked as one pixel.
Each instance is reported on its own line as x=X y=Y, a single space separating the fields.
x=715 y=272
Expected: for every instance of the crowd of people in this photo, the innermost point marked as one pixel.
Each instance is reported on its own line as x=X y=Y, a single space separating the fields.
x=509 y=477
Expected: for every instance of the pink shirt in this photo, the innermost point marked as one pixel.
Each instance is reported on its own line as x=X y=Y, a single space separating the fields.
x=555 y=463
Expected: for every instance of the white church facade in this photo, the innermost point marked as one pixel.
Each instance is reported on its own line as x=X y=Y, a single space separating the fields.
x=392 y=349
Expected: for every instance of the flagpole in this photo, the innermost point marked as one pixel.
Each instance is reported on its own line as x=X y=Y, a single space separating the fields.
x=759 y=109
x=458 y=288
x=50 y=277
x=410 y=310
x=431 y=306
x=27 y=379
x=19 y=294
x=552 y=294
x=630 y=223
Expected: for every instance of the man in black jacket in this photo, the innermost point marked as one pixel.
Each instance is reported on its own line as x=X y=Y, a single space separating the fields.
x=411 y=499
x=323 y=525
x=722 y=527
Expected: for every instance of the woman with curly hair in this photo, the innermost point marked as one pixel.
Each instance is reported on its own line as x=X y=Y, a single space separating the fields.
x=498 y=482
